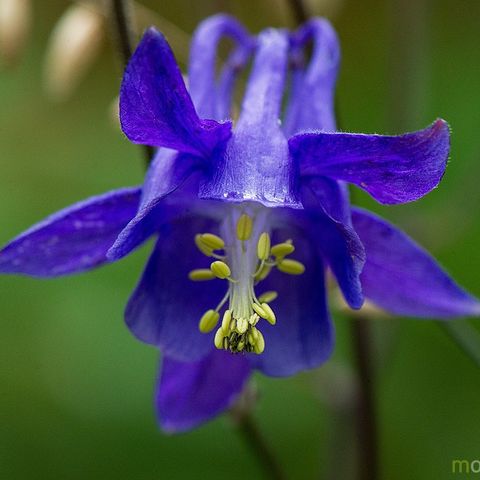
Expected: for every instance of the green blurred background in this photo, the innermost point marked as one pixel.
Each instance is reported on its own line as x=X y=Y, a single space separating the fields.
x=76 y=387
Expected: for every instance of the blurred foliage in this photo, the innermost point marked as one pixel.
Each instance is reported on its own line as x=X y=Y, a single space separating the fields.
x=76 y=397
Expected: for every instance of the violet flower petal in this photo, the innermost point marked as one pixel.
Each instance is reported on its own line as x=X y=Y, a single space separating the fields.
x=233 y=66
x=393 y=169
x=326 y=222
x=327 y=208
x=332 y=196
x=303 y=336
x=256 y=165
x=155 y=107
x=191 y=393
x=167 y=172
x=313 y=87
x=326 y=201
x=344 y=253
x=166 y=306
x=72 y=240
x=404 y=279
x=203 y=59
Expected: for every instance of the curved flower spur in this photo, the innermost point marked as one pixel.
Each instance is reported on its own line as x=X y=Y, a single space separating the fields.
x=248 y=217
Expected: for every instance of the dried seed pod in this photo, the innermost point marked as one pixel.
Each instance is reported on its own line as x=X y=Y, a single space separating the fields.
x=73 y=46
x=15 y=23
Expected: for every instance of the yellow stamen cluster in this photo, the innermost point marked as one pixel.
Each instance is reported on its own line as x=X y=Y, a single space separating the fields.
x=249 y=263
x=239 y=334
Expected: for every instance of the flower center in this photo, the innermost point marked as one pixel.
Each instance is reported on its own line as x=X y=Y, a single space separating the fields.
x=244 y=258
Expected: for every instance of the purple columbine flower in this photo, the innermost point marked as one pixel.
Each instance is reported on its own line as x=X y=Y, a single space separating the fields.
x=250 y=216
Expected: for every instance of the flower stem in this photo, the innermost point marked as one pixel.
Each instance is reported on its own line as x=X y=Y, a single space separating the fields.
x=299 y=11
x=254 y=439
x=121 y=21
x=241 y=415
x=366 y=414
x=119 y=9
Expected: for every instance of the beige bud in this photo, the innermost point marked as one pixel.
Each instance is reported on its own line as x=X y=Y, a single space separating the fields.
x=15 y=23
x=73 y=46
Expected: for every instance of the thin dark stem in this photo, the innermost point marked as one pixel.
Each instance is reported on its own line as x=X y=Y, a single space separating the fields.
x=366 y=415
x=121 y=23
x=299 y=11
x=256 y=442
x=124 y=36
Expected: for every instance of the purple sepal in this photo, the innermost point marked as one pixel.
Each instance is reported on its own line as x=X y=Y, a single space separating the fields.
x=327 y=208
x=211 y=99
x=189 y=394
x=155 y=107
x=332 y=196
x=393 y=169
x=167 y=172
x=256 y=165
x=166 y=306
x=404 y=279
x=303 y=336
x=312 y=95
x=72 y=240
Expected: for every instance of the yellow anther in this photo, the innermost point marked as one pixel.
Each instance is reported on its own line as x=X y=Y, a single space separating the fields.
x=263 y=246
x=268 y=297
x=254 y=318
x=220 y=269
x=282 y=249
x=259 y=310
x=242 y=325
x=259 y=343
x=263 y=273
x=218 y=340
x=212 y=241
x=240 y=346
x=244 y=227
x=270 y=315
x=202 y=246
x=227 y=317
x=292 y=267
x=201 y=274
x=208 y=321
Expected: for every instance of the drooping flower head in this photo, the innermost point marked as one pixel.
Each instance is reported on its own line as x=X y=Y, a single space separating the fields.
x=249 y=215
